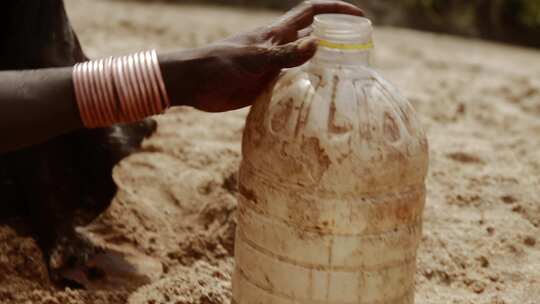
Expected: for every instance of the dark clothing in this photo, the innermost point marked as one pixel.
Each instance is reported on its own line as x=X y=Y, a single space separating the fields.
x=66 y=181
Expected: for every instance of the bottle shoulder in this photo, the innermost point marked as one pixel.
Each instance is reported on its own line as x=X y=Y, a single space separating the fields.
x=333 y=103
x=333 y=125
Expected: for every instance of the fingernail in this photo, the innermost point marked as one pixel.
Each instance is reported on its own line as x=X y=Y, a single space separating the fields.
x=308 y=44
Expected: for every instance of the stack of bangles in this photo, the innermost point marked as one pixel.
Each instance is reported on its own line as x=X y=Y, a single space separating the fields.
x=119 y=89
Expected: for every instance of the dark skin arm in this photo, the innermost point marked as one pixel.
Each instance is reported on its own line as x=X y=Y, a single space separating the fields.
x=40 y=104
x=36 y=105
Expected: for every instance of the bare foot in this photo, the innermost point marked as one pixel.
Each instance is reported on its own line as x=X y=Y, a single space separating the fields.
x=81 y=261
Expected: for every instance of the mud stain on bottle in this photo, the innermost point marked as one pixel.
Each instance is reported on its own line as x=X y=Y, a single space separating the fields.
x=406 y=118
x=312 y=148
x=302 y=219
x=305 y=108
x=303 y=115
x=364 y=112
x=394 y=154
x=425 y=145
x=257 y=134
x=334 y=126
x=281 y=116
x=391 y=129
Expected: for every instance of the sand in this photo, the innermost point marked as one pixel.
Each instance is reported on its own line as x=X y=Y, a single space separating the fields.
x=479 y=102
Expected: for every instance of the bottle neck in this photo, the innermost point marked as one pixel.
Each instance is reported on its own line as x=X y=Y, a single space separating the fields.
x=344 y=58
x=344 y=40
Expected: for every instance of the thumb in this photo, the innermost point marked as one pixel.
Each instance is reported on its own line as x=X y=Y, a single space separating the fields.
x=293 y=54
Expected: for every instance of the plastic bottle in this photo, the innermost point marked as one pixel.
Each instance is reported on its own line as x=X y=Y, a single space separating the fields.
x=332 y=182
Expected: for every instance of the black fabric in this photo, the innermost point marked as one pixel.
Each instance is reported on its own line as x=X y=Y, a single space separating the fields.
x=67 y=180
x=36 y=34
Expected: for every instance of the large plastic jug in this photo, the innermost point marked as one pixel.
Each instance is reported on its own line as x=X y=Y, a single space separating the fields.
x=332 y=182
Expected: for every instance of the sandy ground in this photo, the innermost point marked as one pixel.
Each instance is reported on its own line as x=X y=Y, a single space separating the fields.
x=480 y=104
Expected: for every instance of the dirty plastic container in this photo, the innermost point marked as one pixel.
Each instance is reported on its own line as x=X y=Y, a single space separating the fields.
x=331 y=182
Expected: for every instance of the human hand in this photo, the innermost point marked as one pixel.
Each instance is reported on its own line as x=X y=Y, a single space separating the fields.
x=233 y=72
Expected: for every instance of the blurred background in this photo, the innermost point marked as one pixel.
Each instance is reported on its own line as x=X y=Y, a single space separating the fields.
x=510 y=21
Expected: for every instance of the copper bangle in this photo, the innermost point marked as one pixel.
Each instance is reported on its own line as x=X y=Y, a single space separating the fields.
x=102 y=78
x=79 y=95
x=111 y=89
x=133 y=87
x=142 y=79
x=86 y=93
x=141 y=108
x=120 y=89
x=154 y=82
x=153 y=90
x=157 y=72
x=97 y=99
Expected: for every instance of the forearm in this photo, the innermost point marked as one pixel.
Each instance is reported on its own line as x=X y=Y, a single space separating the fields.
x=36 y=105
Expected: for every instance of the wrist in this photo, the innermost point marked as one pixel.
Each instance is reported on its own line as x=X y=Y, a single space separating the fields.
x=185 y=74
x=177 y=76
